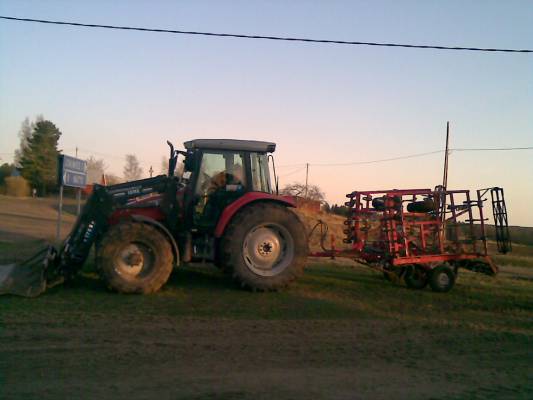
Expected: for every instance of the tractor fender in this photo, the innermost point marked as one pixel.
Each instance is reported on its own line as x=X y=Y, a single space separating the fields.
x=163 y=229
x=246 y=199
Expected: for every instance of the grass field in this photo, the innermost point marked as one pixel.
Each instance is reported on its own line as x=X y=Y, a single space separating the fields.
x=341 y=332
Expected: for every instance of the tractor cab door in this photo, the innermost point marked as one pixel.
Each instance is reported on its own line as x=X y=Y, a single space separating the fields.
x=221 y=179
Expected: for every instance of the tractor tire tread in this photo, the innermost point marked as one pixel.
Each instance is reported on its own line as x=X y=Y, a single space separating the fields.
x=411 y=280
x=434 y=283
x=231 y=247
x=123 y=232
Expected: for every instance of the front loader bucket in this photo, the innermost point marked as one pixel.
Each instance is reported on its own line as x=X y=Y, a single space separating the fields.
x=28 y=278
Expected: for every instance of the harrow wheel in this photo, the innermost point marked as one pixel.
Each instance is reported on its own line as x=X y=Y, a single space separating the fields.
x=393 y=274
x=442 y=278
x=415 y=277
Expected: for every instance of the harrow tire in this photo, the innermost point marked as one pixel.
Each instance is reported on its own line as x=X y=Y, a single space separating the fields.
x=442 y=278
x=394 y=274
x=264 y=247
x=146 y=246
x=415 y=277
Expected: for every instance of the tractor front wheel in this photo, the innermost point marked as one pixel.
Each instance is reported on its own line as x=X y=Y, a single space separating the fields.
x=134 y=258
x=265 y=247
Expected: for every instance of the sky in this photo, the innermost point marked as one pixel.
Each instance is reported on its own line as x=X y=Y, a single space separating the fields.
x=113 y=93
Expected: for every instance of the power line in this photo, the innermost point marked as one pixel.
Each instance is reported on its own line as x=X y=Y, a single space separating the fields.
x=407 y=157
x=496 y=149
x=290 y=165
x=293 y=172
x=98 y=153
x=291 y=39
x=302 y=166
x=376 y=161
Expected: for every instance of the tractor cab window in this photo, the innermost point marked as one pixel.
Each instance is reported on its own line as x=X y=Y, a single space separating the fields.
x=260 y=173
x=221 y=171
x=221 y=180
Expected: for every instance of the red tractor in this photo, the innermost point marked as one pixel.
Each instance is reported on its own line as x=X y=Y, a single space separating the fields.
x=220 y=208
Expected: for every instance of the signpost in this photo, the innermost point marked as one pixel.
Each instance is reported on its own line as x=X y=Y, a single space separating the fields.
x=71 y=172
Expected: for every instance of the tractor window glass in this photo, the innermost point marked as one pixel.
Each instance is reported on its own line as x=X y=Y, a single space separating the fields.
x=260 y=173
x=220 y=171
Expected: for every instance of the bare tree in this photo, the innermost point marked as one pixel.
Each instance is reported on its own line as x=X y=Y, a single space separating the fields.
x=112 y=179
x=95 y=169
x=298 y=189
x=132 y=169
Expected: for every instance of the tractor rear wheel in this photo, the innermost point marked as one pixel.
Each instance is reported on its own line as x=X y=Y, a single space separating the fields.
x=265 y=247
x=134 y=258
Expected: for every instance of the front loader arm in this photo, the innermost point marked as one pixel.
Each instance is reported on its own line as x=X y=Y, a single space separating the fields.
x=51 y=266
x=91 y=223
x=95 y=218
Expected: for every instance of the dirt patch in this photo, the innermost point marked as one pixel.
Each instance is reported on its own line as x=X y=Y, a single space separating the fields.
x=29 y=218
x=164 y=357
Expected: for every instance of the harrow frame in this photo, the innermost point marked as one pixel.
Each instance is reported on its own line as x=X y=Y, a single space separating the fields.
x=423 y=228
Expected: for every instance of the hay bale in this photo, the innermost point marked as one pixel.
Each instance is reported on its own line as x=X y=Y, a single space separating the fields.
x=17 y=186
x=335 y=224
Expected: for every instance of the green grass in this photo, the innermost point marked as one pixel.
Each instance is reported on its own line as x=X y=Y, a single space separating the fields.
x=326 y=291
x=513 y=260
x=483 y=326
x=517 y=250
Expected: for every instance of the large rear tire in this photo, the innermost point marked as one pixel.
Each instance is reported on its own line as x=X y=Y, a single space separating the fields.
x=265 y=247
x=134 y=258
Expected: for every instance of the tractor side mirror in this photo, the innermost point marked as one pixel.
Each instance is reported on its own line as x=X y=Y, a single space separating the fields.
x=188 y=163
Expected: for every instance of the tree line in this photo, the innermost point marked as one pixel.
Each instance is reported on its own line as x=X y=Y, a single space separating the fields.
x=34 y=167
x=315 y=193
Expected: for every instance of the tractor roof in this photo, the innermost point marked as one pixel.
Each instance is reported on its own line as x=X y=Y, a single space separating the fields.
x=231 y=144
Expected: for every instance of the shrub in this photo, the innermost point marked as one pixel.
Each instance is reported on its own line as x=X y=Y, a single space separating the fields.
x=17 y=186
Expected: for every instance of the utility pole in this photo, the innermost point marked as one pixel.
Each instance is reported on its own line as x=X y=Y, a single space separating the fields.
x=78 y=193
x=306 y=178
x=59 y=212
x=446 y=152
x=442 y=200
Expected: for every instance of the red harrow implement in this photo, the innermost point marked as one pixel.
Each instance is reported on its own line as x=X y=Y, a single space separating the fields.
x=423 y=235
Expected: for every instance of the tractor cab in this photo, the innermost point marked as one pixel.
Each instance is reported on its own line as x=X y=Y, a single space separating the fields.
x=218 y=172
